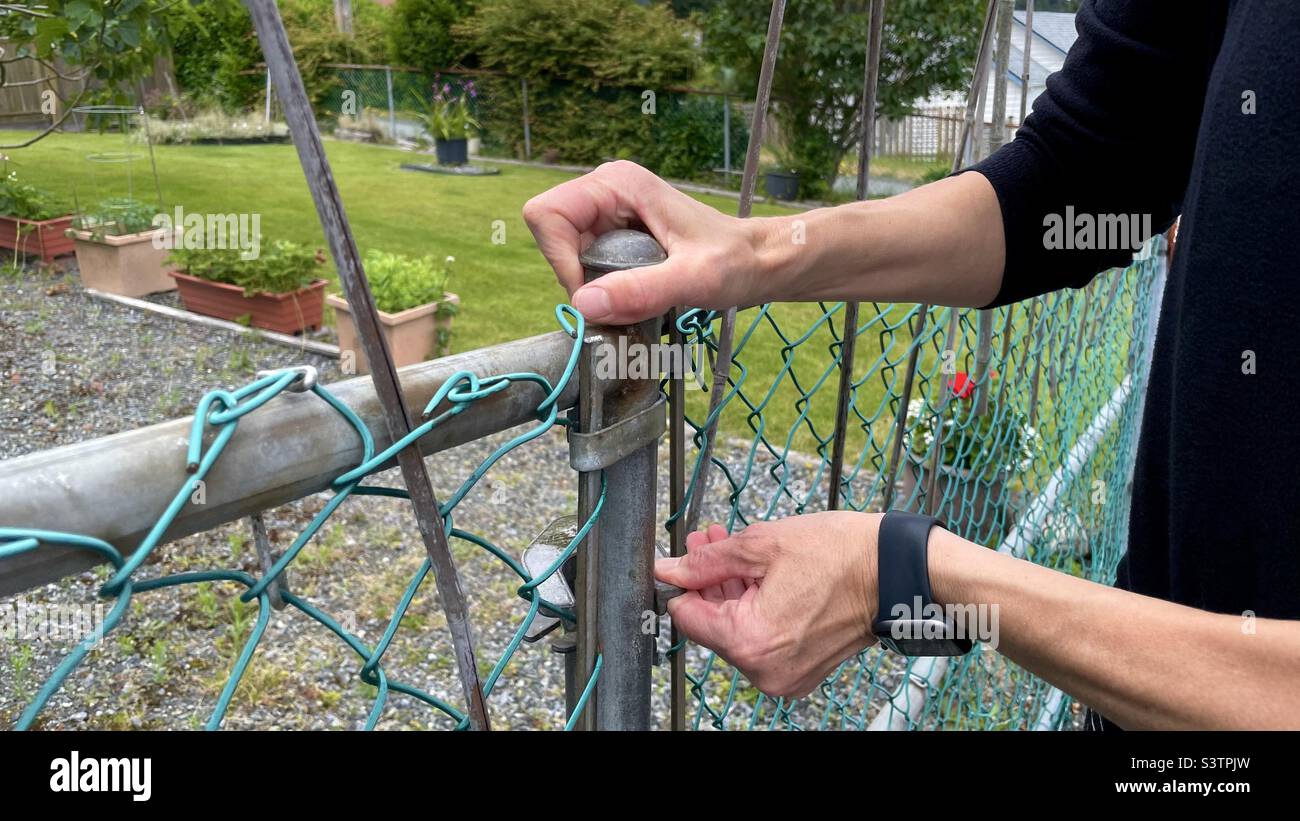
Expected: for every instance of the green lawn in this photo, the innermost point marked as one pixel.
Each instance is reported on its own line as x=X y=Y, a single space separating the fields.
x=507 y=290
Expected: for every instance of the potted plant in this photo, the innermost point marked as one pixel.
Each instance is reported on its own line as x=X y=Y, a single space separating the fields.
x=415 y=309
x=119 y=250
x=782 y=181
x=449 y=121
x=31 y=220
x=979 y=455
x=279 y=289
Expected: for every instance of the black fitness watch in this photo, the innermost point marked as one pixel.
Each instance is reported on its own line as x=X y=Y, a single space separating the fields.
x=909 y=621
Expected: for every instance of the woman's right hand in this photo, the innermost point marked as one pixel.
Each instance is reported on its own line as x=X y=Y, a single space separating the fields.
x=713 y=259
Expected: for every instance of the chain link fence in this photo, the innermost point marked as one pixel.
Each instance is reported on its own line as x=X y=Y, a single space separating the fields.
x=1018 y=430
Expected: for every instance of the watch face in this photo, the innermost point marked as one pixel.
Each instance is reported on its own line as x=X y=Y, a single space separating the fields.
x=920 y=637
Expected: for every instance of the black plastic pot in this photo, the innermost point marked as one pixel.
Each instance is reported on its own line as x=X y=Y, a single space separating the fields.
x=453 y=152
x=783 y=185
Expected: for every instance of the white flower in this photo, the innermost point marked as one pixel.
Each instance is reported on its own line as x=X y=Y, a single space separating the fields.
x=450 y=259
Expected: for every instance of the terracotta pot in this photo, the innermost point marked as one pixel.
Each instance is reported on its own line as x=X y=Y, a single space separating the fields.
x=412 y=334
x=43 y=238
x=129 y=264
x=287 y=313
x=967 y=500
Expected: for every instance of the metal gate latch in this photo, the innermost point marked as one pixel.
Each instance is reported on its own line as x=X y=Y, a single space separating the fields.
x=538 y=558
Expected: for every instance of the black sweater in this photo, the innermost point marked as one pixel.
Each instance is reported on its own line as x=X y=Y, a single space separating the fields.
x=1149 y=116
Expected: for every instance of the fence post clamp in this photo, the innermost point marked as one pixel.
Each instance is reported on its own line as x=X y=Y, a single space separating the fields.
x=602 y=448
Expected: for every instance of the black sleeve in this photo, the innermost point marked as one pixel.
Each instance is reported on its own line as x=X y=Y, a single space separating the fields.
x=1114 y=133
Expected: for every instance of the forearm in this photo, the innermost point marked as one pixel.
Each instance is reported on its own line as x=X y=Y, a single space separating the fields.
x=941 y=243
x=1142 y=662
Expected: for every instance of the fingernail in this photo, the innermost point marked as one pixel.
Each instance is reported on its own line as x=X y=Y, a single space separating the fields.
x=592 y=302
x=667 y=562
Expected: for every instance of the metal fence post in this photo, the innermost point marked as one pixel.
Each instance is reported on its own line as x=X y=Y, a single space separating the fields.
x=528 y=130
x=392 y=111
x=618 y=432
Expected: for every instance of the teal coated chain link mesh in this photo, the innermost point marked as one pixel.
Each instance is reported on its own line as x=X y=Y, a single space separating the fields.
x=1043 y=472
x=1034 y=451
x=219 y=412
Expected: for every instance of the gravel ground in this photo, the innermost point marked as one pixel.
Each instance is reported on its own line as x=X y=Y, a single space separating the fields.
x=74 y=368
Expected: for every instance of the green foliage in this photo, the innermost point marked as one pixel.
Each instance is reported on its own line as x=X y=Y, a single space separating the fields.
x=399 y=282
x=282 y=267
x=117 y=216
x=420 y=33
x=18 y=199
x=448 y=116
x=929 y=46
x=114 y=40
x=687 y=137
x=587 y=65
x=216 y=44
x=999 y=441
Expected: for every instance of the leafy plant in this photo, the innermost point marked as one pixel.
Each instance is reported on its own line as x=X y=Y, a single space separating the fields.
x=448 y=116
x=18 y=199
x=400 y=283
x=116 y=217
x=282 y=267
x=998 y=441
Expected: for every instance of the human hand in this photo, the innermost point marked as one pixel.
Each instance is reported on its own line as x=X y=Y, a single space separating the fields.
x=712 y=258
x=785 y=602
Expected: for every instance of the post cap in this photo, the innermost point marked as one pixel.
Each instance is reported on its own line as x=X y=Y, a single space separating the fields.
x=621 y=249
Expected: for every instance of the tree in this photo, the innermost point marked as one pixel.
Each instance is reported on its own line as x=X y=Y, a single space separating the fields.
x=111 y=41
x=929 y=46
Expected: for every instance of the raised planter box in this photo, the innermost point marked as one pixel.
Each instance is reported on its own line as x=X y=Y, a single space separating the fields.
x=412 y=334
x=43 y=238
x=286 y=313
x=128 y=265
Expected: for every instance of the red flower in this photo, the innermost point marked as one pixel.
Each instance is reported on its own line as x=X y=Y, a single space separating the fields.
x=962 y=385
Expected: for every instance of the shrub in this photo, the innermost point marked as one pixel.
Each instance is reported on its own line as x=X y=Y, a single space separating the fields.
x=216 y=48
x=687 y=137
x=399 y=282
x=420 y=33
x=587 y=65
x=282 y=267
